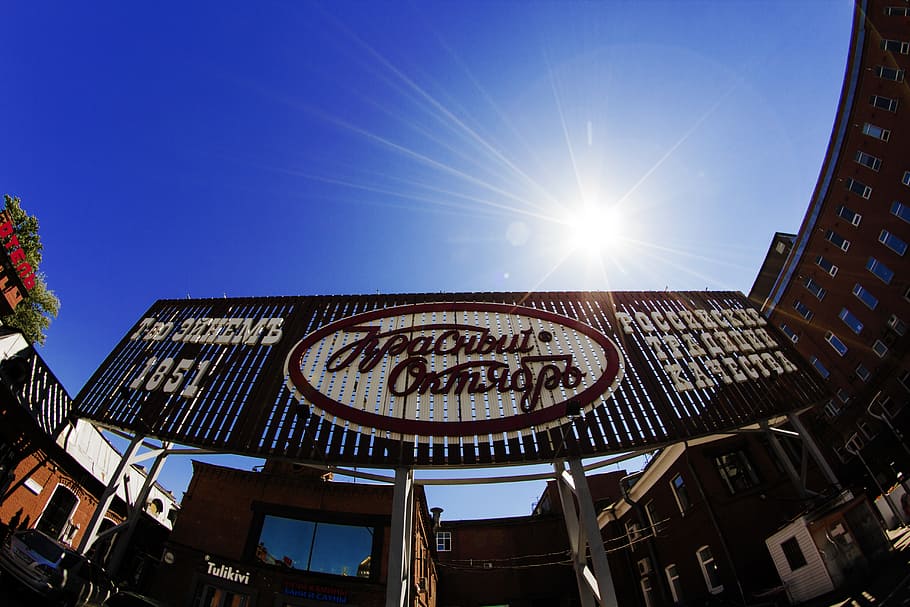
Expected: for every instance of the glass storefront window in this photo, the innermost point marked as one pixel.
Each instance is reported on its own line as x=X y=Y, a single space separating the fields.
x=315 y=546
x=213 y=596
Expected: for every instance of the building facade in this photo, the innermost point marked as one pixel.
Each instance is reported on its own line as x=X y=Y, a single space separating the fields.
x=843 y=297
x=517 y=561
x=693 y=526
x=54 y=471
x=286 y=536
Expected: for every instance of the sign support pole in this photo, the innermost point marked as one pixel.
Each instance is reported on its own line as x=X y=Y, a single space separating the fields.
x=123 y=538
x=594 y=588
x=398 y=582
x=104 y=502
x=809 y=442
x=785 y=461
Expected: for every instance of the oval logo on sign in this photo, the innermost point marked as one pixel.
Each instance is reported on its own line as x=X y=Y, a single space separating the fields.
x=453 y=369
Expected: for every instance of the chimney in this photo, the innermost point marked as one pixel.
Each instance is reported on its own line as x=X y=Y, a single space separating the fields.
x=437 y=512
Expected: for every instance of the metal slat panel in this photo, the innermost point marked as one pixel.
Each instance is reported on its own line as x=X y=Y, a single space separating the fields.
x=244 y=403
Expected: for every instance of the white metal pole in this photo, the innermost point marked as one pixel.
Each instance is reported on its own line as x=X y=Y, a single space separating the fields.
x=592 y=531
x=398 y=581
x=104 y=502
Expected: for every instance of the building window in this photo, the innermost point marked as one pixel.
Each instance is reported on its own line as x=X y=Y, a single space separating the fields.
x=892 y=242
x=883 y=272
x=865 y=296
x=674 y=583
x=850 y=319
x=832 y=410
x=897 y=325
x=736 y=471
x=826 y=265
x=647 y=591
x=868 y=160
x=897 y=11
x=883 y=103
x=819 y=367
x=793 y=554
x=803 y=309
x=814 y=288
x=900 y=210
x=681 y=493
x=849 y=214
x=837 y=239
x=880 y=348
x=896 y=46
x=155 y=507
x=904 y=380
x=889 y=73
x=893 y=406
x=653 y=518
x=316 y=546
x=857 y=187
x=633 y=531
x=709 y=570
x=789 y=332
x=906 y=178
x=876 y=131
x=835 y=342
x=443 y=541
x=55 y=518
x=862 y=372
x=866 y=430
x=843 y=395
x=842 y=454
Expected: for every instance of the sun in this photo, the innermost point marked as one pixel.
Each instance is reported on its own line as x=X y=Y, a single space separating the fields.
x=596 y=230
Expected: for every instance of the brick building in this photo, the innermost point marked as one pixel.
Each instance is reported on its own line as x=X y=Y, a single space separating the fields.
x=53 y=470
x=287 y=535
x=693 y=523
x=843 y=296
x=518 y=561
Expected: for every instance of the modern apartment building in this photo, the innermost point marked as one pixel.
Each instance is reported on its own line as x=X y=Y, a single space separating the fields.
x=843 y=296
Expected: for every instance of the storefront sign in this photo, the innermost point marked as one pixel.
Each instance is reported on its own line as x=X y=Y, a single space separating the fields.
x=17 y=277
x=453 y=370
x=315 y=592
x=226 y=572
x=477 y=379
x=15 y=251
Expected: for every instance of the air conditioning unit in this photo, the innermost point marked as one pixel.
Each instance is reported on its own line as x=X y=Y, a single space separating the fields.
x=644 y=566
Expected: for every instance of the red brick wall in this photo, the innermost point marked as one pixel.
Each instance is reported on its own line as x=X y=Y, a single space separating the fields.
x=49 y=475
x=217 y=514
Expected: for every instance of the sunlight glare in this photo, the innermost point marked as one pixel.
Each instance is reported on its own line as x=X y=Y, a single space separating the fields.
x=596 y=230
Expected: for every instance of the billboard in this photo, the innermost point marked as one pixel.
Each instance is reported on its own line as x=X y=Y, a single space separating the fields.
x=447 y=379
x=17 y=277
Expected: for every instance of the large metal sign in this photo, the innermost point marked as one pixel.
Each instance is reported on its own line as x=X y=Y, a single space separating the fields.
x=447 y=379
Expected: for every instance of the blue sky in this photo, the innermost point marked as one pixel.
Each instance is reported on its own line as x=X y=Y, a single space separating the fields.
x=273 y=148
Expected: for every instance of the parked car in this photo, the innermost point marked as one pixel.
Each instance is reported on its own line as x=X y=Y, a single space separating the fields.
x=53 y=571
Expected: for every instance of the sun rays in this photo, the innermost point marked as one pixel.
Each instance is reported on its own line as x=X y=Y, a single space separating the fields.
x=552 y=173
